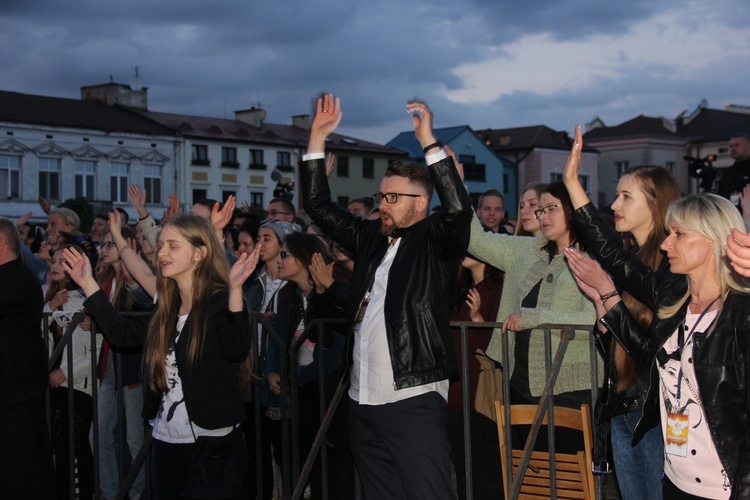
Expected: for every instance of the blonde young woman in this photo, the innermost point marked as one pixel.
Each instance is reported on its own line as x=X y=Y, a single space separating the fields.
x=194 y=345
x=528 y=224
x=696 y=346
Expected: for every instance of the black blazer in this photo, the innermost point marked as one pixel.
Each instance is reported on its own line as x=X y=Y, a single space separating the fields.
x=212 y=392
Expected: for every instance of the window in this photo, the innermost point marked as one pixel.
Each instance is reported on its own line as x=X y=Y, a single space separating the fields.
x=10 y=176
x=506 y=183
x=199 y=194
x=200 y=155
x=256 y=159
x=670 y=166
x=283 y=159
x=621 y=167
x=84 y=181
x=368 y=168
x=49 y=178
x=256 y=200
x=583 y=179
x=229 y=157
x=342 y=166
x=473 y=171
x=226 y=194
x=118 y=182
x=152 y=183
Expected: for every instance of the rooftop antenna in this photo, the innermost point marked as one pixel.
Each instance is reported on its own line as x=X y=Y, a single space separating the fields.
x=135 y=83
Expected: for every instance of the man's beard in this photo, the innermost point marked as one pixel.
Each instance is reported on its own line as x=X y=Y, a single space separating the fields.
x=393 y=224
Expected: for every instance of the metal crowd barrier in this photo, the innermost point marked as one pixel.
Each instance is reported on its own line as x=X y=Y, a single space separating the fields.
x=295 y=473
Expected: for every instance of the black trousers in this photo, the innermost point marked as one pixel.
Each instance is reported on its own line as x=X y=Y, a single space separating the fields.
x=401 y=450
x=25 y=452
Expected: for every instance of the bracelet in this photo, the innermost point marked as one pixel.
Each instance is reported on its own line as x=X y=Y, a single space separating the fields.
x=437 y=144
x=145 y=216
x=122 y=250
x=604 y=298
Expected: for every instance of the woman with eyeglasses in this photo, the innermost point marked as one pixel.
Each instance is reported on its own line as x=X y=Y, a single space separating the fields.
x=299 y=303
x=539 y=288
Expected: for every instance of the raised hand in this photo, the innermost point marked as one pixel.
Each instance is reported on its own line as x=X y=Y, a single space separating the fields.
x=221 y=217
x=321 y=274
x=78 y=267
x=173 y=208
x=138 y=199
x=44 y=204
x=738 y=251
x=595 y=280
x=22 y=220
x=578 y=195
x=243 y=268
x=474 y=301
x=422 y=119
x=328 y=115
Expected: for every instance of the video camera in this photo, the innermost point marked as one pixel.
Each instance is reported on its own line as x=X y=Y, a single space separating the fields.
x=284 y=190
x=702 y=168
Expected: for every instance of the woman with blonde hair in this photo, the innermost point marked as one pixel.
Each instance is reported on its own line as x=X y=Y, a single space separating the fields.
x=194 y=344
x=528 y=225
x=696 y=344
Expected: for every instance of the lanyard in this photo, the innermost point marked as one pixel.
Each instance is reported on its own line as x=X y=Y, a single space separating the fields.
x=682 y=341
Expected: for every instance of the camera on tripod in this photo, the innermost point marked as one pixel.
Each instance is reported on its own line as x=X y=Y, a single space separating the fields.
x=703 y=169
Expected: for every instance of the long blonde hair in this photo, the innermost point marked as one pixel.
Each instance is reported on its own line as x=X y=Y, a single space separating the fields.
x=713 y=217
x=211 y=275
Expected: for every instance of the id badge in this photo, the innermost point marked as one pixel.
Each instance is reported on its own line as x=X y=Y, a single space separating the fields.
x=677 y=434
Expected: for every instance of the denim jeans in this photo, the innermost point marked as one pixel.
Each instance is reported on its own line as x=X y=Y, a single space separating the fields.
x=133 y=402
x=639 y=468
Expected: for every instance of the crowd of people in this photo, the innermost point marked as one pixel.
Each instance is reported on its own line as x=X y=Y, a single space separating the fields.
x=663 y=287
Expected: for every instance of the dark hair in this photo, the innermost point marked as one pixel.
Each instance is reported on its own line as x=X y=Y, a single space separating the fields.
x=124 y=214
x=367 y=202
x=303 y=246
x=208 y=202
x=557 y=189
x=493 y=276
x=416 y=174
x=251 y=227
x=744 y=135
x=490 y=192
x=288 y=205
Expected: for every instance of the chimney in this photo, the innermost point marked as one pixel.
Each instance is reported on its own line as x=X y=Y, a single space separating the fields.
x=253 y=116
x=116 y=93
x=737 y=108
x=301 y=121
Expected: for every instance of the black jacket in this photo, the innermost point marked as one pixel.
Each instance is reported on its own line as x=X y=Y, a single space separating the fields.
x=720 y=359
x=421 y=279
x=211 y=389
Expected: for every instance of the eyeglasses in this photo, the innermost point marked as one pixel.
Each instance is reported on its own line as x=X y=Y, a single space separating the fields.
x=391 y=197
x=284 y=254
x=549 y=208
x=274 y=213
x=107 y=245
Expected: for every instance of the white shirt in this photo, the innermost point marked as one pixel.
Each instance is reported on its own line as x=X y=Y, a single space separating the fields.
x=172 y=423
x=700 y=472
x=372 y=380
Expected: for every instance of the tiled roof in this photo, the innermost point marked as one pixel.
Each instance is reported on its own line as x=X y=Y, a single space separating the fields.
x=640 y=126
x=407 y=141
x=221 y=129
x=75 y=113
x=526 y=138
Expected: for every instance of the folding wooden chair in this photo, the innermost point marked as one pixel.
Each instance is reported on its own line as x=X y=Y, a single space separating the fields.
x=574 y=478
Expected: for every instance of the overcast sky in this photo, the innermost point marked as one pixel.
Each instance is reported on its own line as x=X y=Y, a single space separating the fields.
x=483 y=63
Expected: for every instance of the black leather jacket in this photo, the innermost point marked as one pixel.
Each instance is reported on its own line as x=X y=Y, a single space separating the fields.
x=421 y=279
x=720 y=358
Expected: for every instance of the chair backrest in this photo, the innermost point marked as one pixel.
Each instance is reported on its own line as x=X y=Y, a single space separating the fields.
x=574 y=476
